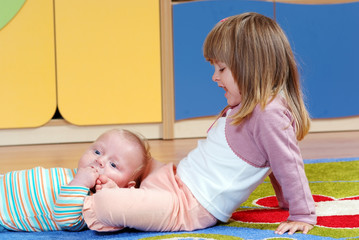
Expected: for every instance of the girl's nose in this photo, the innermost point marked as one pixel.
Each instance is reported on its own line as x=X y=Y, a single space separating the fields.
x=215 y=77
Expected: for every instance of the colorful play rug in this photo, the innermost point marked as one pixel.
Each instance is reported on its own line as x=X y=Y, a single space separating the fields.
x=334 y=184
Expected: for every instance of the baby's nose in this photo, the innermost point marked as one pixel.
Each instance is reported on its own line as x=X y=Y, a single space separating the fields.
x=100 y=161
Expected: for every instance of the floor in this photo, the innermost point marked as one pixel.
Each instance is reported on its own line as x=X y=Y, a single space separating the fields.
x=315 y=145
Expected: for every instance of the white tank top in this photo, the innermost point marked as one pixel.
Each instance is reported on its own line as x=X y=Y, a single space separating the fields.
x=218 y=178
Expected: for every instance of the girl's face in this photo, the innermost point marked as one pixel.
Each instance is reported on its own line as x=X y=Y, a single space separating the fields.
x=223 y=77
x=114 y=156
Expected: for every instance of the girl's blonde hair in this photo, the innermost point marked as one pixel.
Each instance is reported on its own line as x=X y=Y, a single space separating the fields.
x=261 y=60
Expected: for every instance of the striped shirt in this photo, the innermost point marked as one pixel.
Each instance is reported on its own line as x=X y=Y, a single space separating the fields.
x=39 y=199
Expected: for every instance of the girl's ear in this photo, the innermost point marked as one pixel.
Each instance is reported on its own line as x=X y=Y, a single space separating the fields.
x=131 y=184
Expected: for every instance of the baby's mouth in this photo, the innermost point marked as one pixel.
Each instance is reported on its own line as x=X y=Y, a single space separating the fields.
x=96 y=168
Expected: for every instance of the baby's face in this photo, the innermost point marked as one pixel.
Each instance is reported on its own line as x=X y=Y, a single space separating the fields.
x=114 y=156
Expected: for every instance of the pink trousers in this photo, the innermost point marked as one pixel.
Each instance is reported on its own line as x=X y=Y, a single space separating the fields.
x=162 y=203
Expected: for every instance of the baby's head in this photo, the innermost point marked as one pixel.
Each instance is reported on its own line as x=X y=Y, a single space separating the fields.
x=120 y=155
x=143 y=149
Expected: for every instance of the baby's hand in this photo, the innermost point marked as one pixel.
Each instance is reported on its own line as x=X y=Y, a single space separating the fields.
x=104 y=182
x=85 y=177
x=292 y=227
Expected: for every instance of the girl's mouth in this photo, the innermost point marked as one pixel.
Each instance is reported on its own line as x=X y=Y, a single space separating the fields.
x=223 y=87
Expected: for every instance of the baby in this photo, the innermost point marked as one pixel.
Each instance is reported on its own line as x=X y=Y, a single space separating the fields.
x=41 y=199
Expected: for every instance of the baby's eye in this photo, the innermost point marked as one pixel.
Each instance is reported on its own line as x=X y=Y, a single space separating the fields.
x=97 y=152
x=113 y=165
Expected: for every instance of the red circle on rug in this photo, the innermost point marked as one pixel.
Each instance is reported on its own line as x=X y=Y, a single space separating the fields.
x=276 y=215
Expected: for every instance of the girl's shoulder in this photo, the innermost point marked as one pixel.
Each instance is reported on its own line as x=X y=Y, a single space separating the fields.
x=275 y=113
x=274 y=109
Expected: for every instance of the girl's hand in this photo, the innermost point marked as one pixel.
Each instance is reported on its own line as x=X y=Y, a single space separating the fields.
x=85 y=177
x=292 y=227
x=104 y=182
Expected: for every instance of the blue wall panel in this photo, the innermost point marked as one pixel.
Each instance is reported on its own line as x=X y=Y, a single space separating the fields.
x=196 y=95
x=325 y=39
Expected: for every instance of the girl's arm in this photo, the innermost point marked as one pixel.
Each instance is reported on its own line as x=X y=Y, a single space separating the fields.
x=287 y=226
x=282 y=203
x=275 y=136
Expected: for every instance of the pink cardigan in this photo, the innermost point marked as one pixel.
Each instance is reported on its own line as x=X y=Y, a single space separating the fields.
x=268 y=138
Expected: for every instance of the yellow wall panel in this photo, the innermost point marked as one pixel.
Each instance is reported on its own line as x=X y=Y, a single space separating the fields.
x=108 y=61
x=27 y=67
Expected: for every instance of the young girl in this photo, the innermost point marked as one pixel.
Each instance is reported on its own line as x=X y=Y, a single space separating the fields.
x=42 y=199
x=256 y=135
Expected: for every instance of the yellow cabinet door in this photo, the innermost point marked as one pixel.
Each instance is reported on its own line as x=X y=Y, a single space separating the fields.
x=27 y=64
x=108 y=61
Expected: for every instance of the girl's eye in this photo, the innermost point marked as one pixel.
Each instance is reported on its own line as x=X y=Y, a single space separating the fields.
x=113 y=165
x=221 y=69
x=97 y=152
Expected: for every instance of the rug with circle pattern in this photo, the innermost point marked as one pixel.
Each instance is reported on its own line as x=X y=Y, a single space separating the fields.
x=335 y=187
